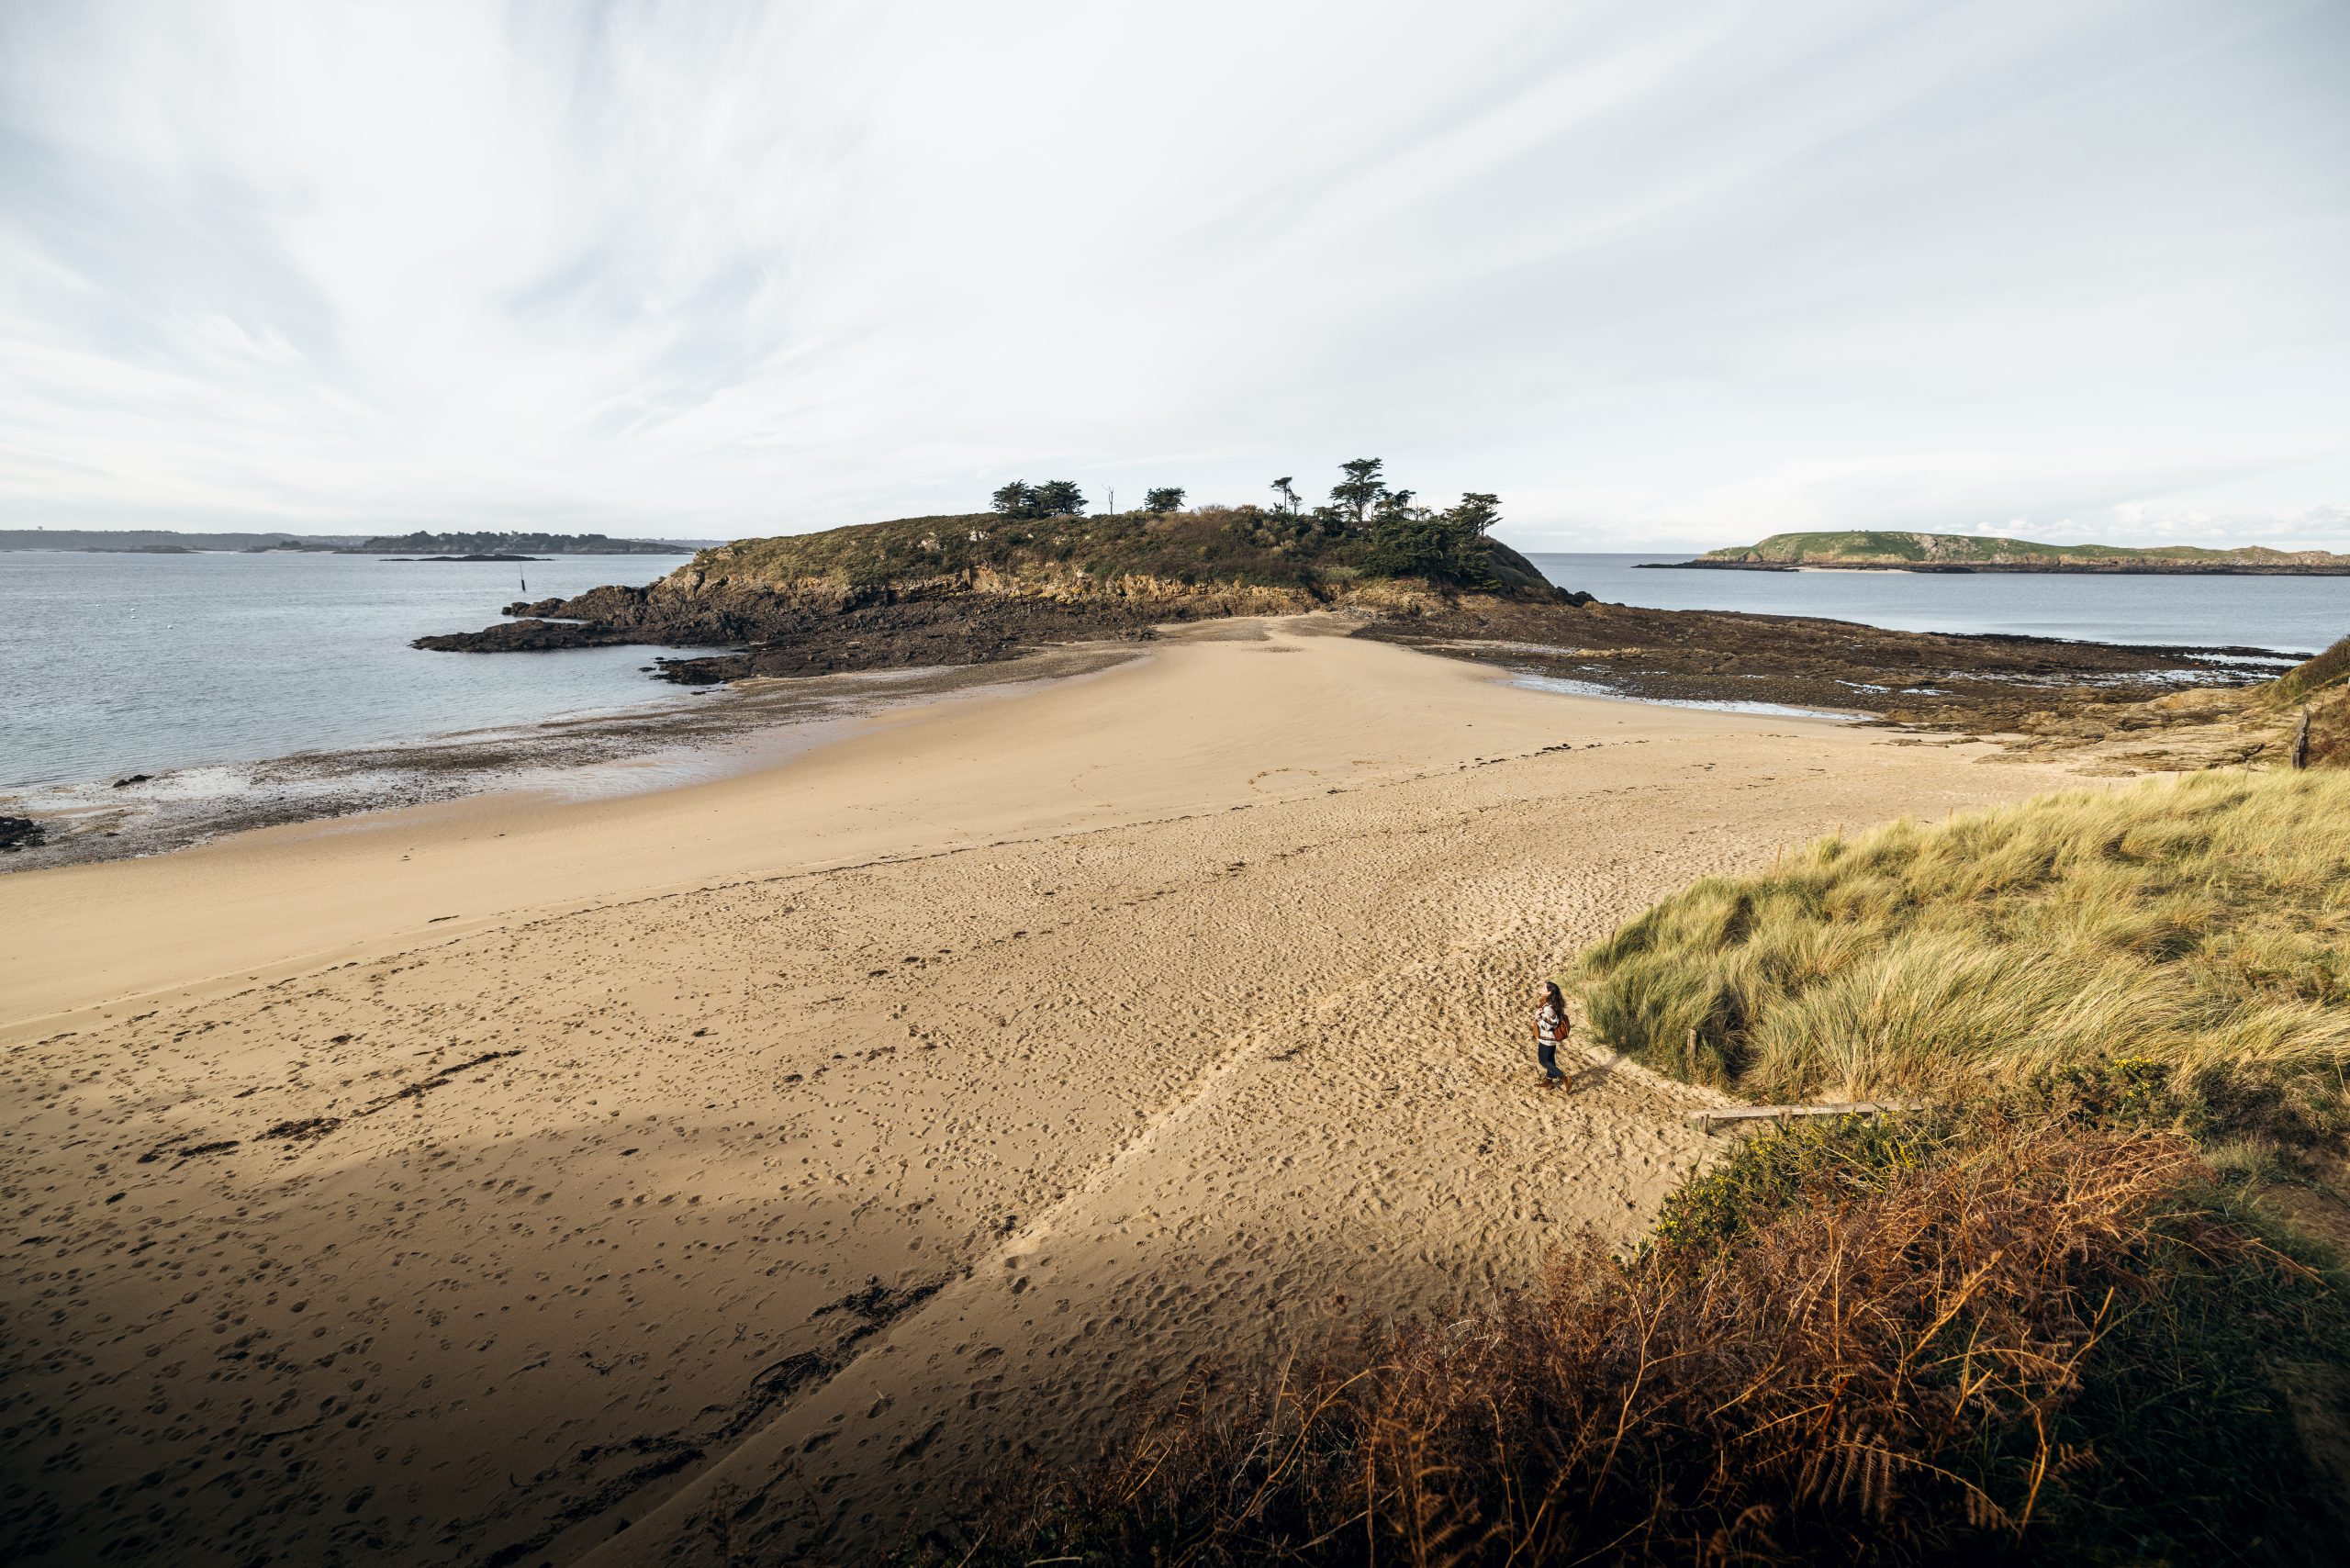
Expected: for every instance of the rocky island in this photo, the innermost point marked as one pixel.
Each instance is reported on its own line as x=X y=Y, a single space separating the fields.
x=1891 y=552
x=971 y=587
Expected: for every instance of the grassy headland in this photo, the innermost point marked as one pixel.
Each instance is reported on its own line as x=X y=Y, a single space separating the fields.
x=1314 y=557
x=1987 y=552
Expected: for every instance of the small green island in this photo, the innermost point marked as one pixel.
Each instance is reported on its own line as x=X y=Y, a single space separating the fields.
x=1906 y=552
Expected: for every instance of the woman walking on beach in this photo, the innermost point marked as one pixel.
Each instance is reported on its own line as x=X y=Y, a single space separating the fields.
x=1551 y=1028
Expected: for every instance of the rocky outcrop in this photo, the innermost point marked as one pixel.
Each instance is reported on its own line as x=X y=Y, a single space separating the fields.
x=528 y=637
x=824 y=629
x=1979 y=684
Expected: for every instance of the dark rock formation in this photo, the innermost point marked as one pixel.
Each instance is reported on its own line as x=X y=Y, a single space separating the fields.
x=1930 y=679
x=528 y=637
x=795 y=634
x=20 y=832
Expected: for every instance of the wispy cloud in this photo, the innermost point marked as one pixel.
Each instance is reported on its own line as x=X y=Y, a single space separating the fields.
x=1680 y=274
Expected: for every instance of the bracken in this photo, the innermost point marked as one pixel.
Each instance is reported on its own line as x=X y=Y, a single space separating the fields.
x=1920 y=1346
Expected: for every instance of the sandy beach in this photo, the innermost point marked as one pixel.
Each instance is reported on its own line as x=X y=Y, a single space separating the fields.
x=744 y=1167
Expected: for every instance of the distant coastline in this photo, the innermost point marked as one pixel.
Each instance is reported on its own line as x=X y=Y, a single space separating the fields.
x=428 y=560
x=2053 y=568
x=170 y=542
x=1880 y=550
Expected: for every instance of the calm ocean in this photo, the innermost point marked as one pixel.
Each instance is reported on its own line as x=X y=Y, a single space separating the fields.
x=2289 y=614
x=134 y=664
x=123 y=663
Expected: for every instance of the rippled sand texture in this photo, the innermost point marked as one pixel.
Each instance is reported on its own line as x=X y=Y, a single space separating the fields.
x=751 y=1165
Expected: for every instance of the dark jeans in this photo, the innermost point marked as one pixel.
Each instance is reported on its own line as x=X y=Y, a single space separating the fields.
x=1547 y=1053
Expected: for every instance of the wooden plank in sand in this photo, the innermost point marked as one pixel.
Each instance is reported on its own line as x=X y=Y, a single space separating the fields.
x=1709 y=1120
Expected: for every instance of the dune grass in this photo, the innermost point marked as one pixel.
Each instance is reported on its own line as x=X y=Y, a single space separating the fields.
x=2202 y=925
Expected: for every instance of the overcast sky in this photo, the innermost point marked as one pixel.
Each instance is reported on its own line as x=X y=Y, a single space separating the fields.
x=1660 y=273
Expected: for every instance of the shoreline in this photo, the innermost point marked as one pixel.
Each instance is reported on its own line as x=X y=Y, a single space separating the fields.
x=682 y=738
x=713 y=730
x=755 y=720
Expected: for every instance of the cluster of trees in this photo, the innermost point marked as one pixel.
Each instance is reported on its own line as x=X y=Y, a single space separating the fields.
x=1055 y=497
x=1061 y=498
x=1403 y=538
x=1384 y=529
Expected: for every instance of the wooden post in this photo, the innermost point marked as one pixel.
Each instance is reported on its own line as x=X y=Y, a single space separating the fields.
x=2301 y=742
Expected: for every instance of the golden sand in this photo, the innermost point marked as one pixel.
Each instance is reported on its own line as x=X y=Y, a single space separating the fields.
x=757 y=1163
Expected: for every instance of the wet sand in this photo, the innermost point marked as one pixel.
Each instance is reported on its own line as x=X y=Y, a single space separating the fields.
x=748 y=1168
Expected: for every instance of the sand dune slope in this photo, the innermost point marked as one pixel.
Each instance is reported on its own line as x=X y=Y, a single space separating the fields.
x=758 y=1163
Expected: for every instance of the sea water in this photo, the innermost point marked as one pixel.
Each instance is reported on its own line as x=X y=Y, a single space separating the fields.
x=119 y=663
x=2289 y=615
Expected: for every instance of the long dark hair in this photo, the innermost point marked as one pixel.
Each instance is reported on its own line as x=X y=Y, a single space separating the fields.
x=1550 y=995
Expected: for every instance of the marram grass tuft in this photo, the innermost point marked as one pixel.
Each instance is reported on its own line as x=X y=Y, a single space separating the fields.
x=2203 y=923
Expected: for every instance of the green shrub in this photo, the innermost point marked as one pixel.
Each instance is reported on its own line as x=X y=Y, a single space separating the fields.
x=1762 y=1176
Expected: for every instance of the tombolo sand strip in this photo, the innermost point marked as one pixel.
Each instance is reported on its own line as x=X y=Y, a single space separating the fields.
x=1167 y=1018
